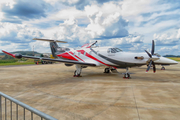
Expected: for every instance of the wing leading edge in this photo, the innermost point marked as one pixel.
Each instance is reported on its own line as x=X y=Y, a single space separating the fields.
x=49 y=59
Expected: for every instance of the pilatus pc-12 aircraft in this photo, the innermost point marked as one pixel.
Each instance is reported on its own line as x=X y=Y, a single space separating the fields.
x=110 y=57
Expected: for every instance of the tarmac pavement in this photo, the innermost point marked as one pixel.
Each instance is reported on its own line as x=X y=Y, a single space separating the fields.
x=53 y=90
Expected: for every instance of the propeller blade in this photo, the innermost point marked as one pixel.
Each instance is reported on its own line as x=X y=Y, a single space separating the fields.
x=153 y=48
x=154 y=67
x=148 y=54
x=149 y=66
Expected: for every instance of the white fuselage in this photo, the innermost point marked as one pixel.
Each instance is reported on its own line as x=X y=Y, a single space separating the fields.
x=102 y=56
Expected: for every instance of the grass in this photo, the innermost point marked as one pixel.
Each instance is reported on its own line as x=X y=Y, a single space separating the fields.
x=175 y=58
x=27 y=62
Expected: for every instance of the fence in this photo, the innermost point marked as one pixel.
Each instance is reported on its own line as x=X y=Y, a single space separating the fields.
x=10 y=112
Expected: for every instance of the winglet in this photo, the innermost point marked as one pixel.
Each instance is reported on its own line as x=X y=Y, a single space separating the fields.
x=13 y=55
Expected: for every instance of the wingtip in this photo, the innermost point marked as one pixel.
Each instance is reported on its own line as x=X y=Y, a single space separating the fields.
x=13 y=55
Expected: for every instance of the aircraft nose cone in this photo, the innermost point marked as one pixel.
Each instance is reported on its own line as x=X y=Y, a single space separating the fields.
x=175 y=62
x=165 y=61
x=169 y=61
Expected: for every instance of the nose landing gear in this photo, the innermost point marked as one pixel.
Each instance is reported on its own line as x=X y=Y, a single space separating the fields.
x=127 y=75
x=163 y=68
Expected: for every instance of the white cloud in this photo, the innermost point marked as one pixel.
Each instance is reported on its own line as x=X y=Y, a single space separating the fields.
x=169 y=50
x=17 y=36
x=71 y=32
x=167 y=38
x=105 y=25
x=178 y=34
x=9 y=3
x=82 y=21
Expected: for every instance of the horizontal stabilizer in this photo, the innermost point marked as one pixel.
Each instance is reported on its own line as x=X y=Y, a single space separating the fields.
x=49 y=40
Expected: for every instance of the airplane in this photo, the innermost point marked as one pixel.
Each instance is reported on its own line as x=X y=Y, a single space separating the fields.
x=111 y=57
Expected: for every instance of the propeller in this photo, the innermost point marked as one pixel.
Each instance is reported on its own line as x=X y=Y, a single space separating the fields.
x=151 y=59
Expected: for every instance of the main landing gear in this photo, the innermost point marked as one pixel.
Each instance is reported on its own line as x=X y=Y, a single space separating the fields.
x=107 y=70
x=127 y=75
x=77 y=72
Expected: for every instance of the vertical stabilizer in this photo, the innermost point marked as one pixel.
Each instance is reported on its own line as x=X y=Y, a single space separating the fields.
x=54 y=47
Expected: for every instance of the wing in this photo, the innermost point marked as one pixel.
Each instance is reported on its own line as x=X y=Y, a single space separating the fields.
x=49 y=59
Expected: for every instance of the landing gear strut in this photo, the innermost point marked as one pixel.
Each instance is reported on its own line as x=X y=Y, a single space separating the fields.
x=163 y=68
x=77 y=72
x=126 y=75
x=106 y=70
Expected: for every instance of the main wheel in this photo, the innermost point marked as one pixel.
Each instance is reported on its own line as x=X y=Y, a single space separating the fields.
x=78 y=75
x=106 y=70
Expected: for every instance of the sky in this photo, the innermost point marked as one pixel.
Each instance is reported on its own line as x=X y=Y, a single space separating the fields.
x=130 y=25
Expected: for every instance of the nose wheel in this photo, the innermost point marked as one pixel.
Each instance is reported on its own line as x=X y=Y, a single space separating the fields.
x=127 y=75
x=163 y=68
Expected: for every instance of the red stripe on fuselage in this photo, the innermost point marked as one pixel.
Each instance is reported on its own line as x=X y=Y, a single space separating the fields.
x=67 y=56
x=79 y=58
x=90 y=56
x=81 y=51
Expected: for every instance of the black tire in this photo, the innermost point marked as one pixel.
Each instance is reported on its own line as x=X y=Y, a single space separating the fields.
x=106 y=70
x=127 y=75
x=163 y=68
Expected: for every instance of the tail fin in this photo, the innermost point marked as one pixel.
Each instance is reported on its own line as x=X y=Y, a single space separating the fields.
x=54 y=46
x=55 y=49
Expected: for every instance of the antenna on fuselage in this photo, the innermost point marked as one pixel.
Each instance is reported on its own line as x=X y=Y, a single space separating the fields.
x=93 y=43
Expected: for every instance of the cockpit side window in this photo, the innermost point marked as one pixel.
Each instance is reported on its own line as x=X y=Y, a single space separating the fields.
x=157 y=54
x=109 y=50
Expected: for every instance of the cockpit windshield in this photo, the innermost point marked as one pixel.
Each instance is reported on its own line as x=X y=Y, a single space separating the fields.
x=114 y=50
